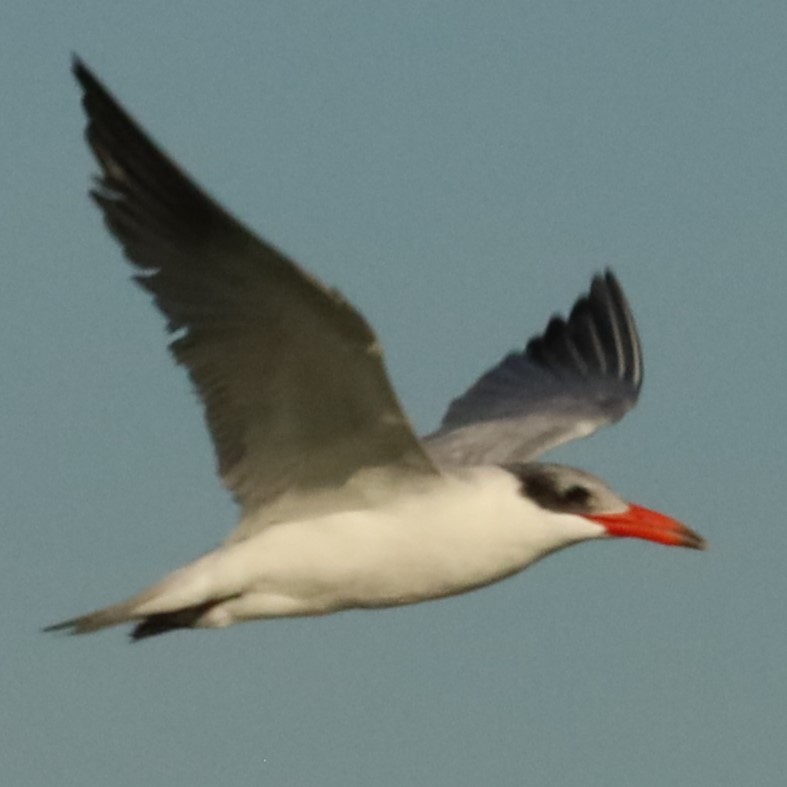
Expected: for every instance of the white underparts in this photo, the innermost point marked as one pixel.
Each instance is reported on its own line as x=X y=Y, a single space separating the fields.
x=464 y=532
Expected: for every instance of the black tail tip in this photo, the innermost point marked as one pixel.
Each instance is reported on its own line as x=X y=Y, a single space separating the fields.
x=66 y=627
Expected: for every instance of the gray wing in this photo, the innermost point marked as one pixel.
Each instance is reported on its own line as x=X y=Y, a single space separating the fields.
x=582 y=373
x=294 y=386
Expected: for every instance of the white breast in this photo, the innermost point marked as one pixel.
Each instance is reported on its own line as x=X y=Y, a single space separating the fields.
x=464 y=531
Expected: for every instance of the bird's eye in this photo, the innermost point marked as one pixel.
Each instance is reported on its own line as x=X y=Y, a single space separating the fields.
x=576 y=495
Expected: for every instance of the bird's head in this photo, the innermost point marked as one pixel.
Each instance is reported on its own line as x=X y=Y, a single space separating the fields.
x=567 y=491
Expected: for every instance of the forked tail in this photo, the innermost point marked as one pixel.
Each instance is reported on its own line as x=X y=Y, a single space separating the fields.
x=147 y=626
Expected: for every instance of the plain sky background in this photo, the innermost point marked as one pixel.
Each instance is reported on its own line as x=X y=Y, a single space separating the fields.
x=459 y=170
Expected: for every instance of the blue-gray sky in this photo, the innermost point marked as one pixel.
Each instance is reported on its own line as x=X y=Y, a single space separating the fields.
x=459 y=170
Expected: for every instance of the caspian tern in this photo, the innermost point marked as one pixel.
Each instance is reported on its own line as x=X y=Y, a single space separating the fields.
x=343 y=506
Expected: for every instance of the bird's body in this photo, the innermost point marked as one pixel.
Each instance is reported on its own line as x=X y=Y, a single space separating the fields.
x=343 y=506
x=457 y=533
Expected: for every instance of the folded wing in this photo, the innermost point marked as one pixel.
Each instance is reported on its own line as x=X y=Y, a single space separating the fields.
x=582 y=373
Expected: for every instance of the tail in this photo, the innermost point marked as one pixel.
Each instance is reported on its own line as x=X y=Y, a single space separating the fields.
x=180 y=600
x=147 y=626
x=95 y=621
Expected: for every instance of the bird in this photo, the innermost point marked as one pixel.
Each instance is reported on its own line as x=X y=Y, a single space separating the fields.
x=342 y=505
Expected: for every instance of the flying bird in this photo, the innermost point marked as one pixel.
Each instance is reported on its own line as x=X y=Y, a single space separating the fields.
x=342 y=505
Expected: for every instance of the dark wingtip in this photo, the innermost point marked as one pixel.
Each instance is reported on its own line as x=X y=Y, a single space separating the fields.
x=80 y=70
x=598 y=338
x=88 y=81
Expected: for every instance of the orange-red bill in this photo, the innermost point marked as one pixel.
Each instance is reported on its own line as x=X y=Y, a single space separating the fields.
x=641 y=522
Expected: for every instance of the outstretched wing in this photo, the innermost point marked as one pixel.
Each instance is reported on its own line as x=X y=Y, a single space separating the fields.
x=295 y=390
x=582 y=373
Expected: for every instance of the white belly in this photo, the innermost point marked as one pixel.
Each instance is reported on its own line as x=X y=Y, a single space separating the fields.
x=463 y=534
